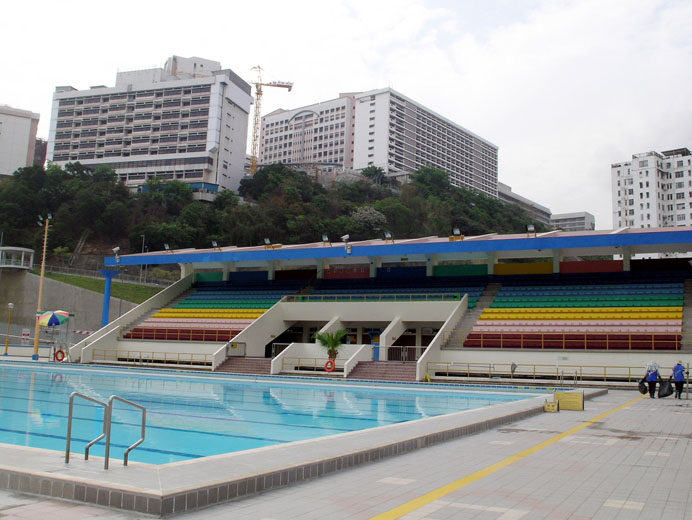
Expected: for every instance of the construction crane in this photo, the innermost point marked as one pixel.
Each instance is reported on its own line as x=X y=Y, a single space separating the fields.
x=258 y=113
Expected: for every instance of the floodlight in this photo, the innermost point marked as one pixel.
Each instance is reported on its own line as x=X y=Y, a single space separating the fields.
x=214 y=244
x=387 y=235
x=456 y=232
x=325 y=238
x=166 y=247
x=530 y=228
x=267 y=242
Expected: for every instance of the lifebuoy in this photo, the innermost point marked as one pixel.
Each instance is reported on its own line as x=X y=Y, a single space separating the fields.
x=330 y=365
x=59 y=355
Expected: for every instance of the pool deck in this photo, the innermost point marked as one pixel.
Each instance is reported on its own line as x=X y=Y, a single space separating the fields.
x=182 y=487
x=625 y=456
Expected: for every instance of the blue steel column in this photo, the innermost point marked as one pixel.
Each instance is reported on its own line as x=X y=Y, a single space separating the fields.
x=109 y=274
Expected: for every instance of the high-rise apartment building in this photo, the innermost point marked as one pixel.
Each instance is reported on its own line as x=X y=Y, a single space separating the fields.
x=186 y=121
x=533 y=209
x=653 y=190
x=17 y=138
x=379 y=128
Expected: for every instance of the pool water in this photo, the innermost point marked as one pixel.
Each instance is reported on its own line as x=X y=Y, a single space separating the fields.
x=192 y=417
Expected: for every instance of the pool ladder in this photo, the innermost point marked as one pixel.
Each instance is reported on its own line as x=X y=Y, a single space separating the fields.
x=107 y=422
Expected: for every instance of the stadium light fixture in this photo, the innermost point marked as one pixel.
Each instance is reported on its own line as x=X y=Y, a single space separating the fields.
x=530 y=228
x=325 y=240
x=388 y=237
x=456 y=235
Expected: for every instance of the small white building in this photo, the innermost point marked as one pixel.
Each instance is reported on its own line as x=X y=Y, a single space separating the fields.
x=186 y=121
x=17 y=138
x=575 y=221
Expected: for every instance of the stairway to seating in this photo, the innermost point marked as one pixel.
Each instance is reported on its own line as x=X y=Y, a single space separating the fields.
x=384 y=371
x=245 y=365
x=458 y=335
x=210 y=311
x=637 y=313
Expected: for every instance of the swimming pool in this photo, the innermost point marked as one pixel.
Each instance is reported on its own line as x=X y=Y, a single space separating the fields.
x=190 y=417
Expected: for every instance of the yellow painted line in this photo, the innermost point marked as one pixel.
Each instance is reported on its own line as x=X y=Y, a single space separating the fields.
x=438 y=493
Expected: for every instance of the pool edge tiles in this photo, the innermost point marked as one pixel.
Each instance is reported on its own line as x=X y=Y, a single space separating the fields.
x=203 y=482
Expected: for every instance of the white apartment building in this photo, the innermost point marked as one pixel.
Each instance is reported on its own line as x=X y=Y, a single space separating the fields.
x=575 y=221
x=379 y=128
x=653 y=190
x=319 y=134
x=17 y=138
x=186 y=121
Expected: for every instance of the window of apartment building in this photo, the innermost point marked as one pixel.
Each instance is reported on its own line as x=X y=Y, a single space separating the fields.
x=643 y=163
x=680 y=195
x=681 y=216
x=679 y=184
x=679 y=164
x=679 y=175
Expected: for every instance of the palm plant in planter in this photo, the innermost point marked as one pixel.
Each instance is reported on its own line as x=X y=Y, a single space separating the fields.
x=331 y=341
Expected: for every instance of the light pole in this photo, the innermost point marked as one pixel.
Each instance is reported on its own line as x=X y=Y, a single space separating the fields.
x=10 y=306
x=37 y=329
x=140 y=266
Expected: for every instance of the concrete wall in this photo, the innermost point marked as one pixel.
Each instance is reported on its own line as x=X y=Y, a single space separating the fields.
x=21 y=288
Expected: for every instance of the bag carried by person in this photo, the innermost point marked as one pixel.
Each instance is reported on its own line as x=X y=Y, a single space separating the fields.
x=666 y=389
x=642 y=387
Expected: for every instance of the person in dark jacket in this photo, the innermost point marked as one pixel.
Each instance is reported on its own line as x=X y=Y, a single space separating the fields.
x=652 y=377
x=679 y=378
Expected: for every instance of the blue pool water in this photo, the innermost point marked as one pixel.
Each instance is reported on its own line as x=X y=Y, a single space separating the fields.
x=191 y=417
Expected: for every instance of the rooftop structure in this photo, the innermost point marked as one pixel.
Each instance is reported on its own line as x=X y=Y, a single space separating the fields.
x=534 y=209
x=576 y=221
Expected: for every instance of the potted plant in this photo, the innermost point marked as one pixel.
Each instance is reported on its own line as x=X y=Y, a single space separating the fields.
x=331 y=341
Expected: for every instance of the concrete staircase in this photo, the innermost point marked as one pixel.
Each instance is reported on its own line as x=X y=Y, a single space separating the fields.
x=687 y=318
x=468 y=320
x=245 y=365
x=384 y=371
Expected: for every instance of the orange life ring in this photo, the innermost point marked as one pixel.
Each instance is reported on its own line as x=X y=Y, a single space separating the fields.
x=59 y=355
x=330 y=365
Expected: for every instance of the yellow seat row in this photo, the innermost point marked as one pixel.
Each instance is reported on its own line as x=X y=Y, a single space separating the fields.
x=210 y=313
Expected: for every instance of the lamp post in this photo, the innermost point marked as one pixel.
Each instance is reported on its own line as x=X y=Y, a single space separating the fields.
x=10 y=306
x=37 y=329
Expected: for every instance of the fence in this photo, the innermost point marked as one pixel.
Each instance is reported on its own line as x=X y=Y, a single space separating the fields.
x=122 y=277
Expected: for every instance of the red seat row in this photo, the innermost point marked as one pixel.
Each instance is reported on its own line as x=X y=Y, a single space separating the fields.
x=575 y=341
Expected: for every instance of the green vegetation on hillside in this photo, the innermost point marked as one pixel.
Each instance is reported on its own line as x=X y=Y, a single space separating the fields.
x=280 y=203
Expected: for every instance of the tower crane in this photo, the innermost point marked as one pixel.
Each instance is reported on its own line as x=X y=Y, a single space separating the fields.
x=258 y=112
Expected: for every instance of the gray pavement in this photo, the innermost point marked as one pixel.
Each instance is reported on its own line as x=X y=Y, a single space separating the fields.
x=633 y=463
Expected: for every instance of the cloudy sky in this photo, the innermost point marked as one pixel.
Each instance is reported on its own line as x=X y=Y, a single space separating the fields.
x=564 y=88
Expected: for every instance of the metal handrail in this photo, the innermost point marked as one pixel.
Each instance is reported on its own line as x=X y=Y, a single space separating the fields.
x=107 y=424
x=152 y=357
x=110 y=422
x=69 y=425
x=371 y=297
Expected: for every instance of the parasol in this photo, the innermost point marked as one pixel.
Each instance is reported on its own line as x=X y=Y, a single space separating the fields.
x=53 y=318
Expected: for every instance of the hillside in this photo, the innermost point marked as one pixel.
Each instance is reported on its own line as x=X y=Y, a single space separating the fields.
x=93 y=212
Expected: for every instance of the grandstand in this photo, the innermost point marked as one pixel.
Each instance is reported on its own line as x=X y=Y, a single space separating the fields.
x=441 y=308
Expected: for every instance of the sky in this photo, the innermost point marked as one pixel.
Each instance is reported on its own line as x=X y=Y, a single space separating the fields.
x=564 y=88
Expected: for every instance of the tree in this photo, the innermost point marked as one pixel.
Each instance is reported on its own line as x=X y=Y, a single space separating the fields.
x=331 y=341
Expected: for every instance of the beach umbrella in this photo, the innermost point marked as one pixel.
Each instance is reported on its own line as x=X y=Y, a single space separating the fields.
x=53 y=318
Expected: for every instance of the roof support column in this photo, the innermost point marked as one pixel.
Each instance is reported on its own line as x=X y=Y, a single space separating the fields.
x=430 y=263
x=186 y=270
x=626 y=257
x=375 y=262
x=321 y=265
x=271 y=269
x=492 y=258
x=557 y=258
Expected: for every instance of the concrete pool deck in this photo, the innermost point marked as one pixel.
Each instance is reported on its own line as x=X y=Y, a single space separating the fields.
x=190 y=485
x=630 y=460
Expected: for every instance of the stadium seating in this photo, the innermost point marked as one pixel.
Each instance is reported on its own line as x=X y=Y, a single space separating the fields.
x=212 y=311
x=611 y=314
